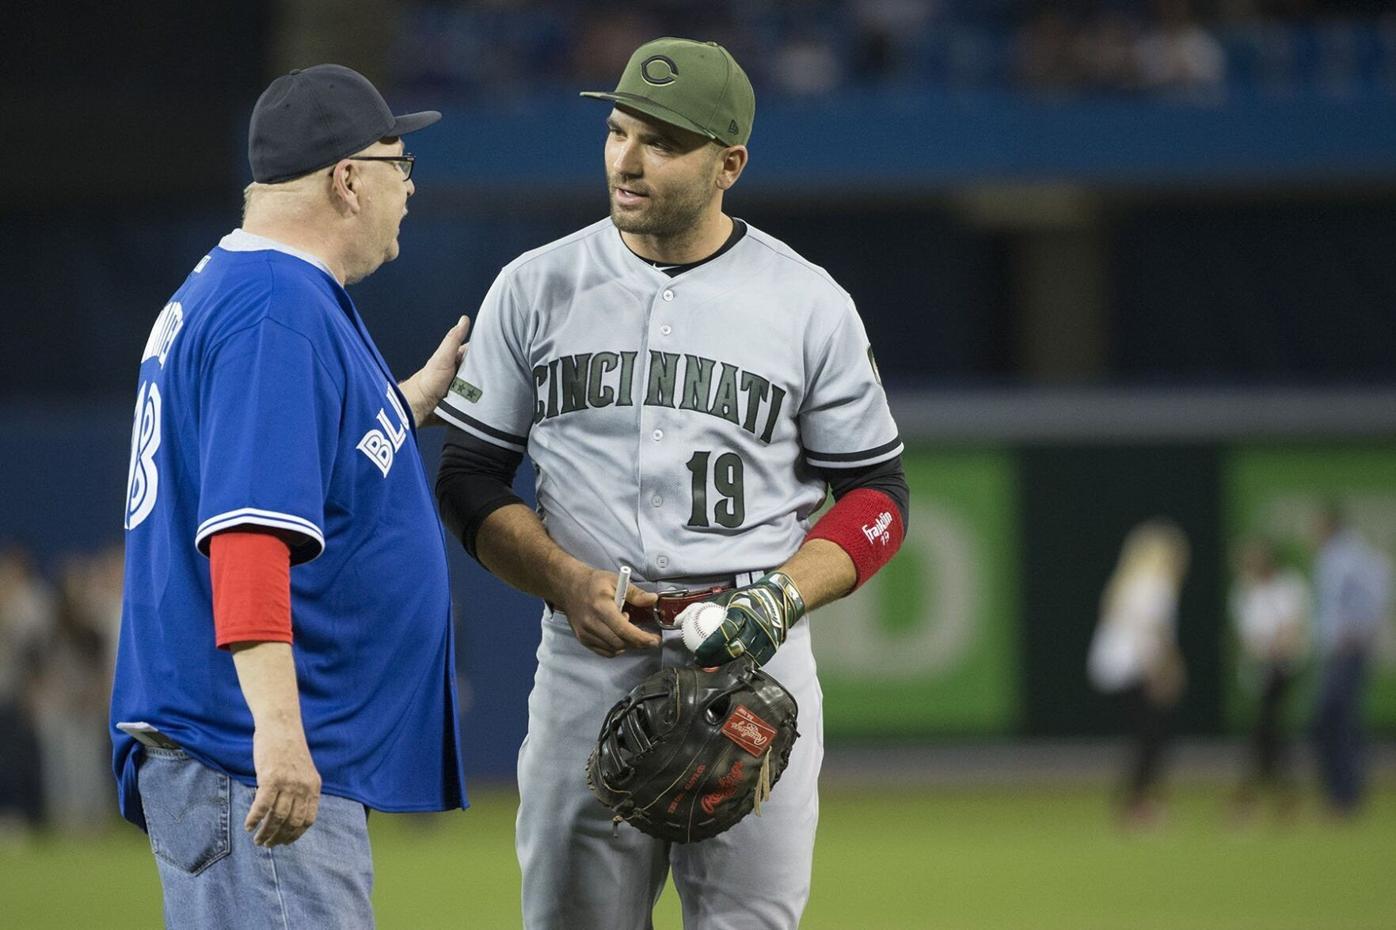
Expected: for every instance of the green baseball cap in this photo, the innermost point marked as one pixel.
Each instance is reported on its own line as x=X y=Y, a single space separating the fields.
x=694 y=85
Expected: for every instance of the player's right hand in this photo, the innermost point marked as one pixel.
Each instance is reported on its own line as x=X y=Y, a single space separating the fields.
x=288 y=787
x=590 y=608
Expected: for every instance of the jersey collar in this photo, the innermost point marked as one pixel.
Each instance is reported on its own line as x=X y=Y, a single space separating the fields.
x=739 y=229
x=239 y=240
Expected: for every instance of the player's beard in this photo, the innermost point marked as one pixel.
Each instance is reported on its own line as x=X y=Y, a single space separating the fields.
x=672 y=214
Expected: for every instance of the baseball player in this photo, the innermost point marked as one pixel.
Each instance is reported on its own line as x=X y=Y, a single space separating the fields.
x=285 y=657
x=688 y=388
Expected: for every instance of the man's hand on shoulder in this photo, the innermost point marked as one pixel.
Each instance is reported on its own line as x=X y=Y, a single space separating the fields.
x=425 y=389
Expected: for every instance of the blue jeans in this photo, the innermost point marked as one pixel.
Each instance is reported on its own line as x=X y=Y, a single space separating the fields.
x=215 y=878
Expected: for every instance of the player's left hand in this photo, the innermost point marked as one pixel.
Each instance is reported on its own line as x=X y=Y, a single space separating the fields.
x=425 y=389
x=288 y=786
x=758 y=619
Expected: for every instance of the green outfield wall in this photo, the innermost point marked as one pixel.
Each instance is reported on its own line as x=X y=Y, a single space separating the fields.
x=981 y=625
x=1277 y=491
x=929 y=645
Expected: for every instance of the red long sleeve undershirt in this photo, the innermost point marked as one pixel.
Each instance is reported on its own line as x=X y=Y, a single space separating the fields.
x=251 y=575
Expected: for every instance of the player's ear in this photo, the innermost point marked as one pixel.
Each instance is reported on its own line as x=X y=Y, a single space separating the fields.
x=731 y=163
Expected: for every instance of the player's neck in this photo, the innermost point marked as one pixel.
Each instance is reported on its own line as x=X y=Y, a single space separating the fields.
x=297 y=237
x=692 y=245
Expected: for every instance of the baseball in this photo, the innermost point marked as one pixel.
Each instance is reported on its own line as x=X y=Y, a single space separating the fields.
x=698 y=621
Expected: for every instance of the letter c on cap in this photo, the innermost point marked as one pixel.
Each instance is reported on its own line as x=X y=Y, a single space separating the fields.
x=663 y=74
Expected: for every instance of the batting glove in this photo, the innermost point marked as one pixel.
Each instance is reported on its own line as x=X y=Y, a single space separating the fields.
x=758 y=618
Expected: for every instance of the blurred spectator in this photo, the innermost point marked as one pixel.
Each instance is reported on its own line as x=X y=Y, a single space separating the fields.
x=1270 y=607
x=494 y=48
x=1047 y=53
x=605 y=41
x=1352 y=584
x=887 y=33
x=72 y=690
x=806 y=65
x=1108 y=51
x=1135 y=654
x=1178 y=53
x=26 y=618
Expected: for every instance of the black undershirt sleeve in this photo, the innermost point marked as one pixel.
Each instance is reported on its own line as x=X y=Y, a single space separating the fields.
x=475 y=479
x=888 y=477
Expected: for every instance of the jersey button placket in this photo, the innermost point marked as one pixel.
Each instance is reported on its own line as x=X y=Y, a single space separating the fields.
x=667 y=295
x=660 y=560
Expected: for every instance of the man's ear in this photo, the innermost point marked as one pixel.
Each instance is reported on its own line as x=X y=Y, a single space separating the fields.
x=730 y=165
x=344 y=181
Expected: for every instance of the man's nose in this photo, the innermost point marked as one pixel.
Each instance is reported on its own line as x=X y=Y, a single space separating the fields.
x=624 y=160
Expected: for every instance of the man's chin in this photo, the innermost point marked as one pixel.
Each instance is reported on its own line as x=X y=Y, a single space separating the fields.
x=628 y=222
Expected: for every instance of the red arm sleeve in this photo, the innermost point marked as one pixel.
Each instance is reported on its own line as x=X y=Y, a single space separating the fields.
x=866 y=524
x=251 y=575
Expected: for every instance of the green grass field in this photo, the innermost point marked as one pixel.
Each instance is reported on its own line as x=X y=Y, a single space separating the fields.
x=957 y=858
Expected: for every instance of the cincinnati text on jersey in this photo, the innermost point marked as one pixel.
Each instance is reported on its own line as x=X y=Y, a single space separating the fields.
x=603 y=379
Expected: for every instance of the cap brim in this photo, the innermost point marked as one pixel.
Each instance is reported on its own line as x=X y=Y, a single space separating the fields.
x=650 y=108
x=411 y=122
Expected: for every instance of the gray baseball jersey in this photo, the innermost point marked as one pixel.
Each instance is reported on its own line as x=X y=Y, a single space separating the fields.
x=673 y=421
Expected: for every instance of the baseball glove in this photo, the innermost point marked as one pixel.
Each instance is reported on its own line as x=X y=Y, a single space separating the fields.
x=689 y=752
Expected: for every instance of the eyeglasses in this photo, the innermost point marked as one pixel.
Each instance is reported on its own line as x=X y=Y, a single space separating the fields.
x=404 y=162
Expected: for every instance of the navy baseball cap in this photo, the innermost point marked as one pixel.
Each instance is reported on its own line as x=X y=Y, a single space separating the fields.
x=313 y=117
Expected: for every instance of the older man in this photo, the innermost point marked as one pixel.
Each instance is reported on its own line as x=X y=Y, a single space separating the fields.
x=285 y=660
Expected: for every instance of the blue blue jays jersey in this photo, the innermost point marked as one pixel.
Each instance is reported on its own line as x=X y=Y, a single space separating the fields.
x=263 y=402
